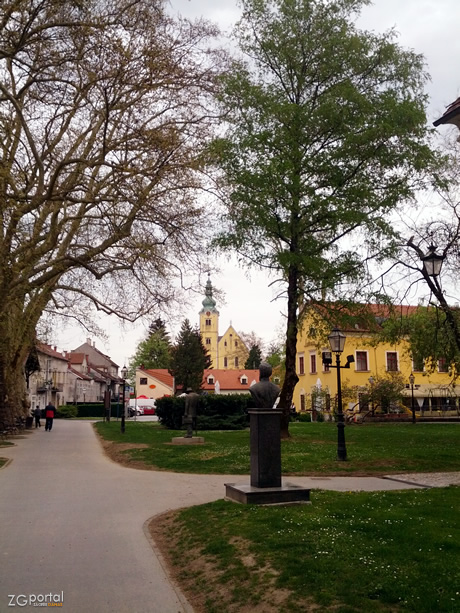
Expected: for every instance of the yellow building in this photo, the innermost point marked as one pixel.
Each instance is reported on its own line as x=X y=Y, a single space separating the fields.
x=316 y=389
x=227 y=351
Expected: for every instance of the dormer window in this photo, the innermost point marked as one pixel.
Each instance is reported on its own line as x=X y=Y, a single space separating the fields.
x=211 y=380
x=244 y=380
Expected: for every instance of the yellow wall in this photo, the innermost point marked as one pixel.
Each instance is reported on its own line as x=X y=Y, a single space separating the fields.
x=312 y=341
x=160 y=389
x=209 y=328
x=232 y=350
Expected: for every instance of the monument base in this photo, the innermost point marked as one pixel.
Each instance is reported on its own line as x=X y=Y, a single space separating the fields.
x=286 y=494
x=191 y=440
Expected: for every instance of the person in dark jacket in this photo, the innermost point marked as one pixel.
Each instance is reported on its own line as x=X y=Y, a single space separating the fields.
x=50 y=412
x=37 y=415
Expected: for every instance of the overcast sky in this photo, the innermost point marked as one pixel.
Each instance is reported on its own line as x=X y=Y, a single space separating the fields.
x=429 y=27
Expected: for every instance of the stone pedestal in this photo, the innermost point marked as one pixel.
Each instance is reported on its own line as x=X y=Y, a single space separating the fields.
x=265 y=486
x=187 y=440
x=265 y=447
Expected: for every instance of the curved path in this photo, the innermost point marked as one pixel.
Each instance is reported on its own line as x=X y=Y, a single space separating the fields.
x=73 y=521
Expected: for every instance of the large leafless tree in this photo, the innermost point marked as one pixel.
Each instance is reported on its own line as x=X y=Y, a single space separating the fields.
x=104 y=107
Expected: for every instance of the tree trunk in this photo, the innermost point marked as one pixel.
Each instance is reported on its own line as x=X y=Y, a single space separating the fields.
x=17 y=334
x=291 y=378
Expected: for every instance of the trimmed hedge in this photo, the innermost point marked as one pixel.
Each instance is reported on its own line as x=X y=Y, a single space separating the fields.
x=67 y=411
x=89 y=409
x=214 y=411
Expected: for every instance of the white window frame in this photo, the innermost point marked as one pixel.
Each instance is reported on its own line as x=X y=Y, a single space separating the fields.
x=311 y=354
x=367 y=360
x=397 y=361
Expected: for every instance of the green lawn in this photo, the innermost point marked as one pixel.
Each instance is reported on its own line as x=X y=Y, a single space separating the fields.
x=372 y=449
x=346 y=552
x=355 y=552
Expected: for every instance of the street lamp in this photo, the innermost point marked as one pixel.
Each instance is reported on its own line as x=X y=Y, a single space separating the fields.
x=124 y=374
x=432 y=262
x=337 y=343
x=412 y=381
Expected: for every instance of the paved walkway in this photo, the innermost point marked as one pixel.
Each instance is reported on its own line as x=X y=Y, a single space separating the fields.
x=72 y=521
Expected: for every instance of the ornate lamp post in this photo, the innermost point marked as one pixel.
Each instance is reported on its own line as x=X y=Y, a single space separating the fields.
x=337 y=343
x=432 y=262
x=412 y=381
x=124 y=374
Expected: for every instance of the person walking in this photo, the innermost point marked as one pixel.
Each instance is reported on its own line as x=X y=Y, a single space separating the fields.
x=50 y=412
x=37 y=415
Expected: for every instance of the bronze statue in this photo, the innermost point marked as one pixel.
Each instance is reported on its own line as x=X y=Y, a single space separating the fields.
x=191 y=403
x=265 y=392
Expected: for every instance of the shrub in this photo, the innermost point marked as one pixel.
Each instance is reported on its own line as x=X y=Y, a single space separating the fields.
x=96 y=409
x=214 y=412
x=303 y=417
x=67 y=411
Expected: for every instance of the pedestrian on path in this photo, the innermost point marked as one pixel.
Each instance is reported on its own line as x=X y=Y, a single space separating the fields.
x=50 y=412
x=37 y=415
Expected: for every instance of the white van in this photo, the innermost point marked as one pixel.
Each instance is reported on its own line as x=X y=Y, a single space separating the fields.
x=142 y=406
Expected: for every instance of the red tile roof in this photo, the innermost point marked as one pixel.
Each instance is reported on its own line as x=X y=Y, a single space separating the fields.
x=51 y=351
x=160 y=374
x=229 y=379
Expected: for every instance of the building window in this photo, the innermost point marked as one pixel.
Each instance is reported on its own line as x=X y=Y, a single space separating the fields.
x=236 y=343
x=392 y=361
x=208 y=322
x=301 y=365
x=417 y=364
x=302 y=402
x=244 y=381
x=326 y=367
x=208 y=341
x=225 y=362
x=442 y=365
x=313 y=363
x=210 y=379
x=143 y=381
x=236 y=362
x=225 y=343
x=361 y=361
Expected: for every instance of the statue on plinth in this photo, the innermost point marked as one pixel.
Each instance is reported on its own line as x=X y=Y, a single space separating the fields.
x=191 y=403
x=265 y=392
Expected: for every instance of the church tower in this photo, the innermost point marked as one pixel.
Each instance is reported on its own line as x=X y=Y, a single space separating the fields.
x=209 y=325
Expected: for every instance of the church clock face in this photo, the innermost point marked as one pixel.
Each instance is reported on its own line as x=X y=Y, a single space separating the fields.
x=208 y=313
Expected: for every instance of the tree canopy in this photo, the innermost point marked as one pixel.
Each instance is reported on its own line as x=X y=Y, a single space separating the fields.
x=154 y=351
x=104 y=110
x=325 y=136
x=189 y=358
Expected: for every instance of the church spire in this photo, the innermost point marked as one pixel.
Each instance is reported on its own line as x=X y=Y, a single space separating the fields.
x=209 y=304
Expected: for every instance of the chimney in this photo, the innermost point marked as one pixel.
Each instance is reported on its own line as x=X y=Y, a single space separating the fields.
x=88 y=341
x=55 y=348
x=94 y=343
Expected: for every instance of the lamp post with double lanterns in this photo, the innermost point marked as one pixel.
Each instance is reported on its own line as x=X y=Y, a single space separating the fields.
x=124 y=374
x=412 y=381
x=337 y=342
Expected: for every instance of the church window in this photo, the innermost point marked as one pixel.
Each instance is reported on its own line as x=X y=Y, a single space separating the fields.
x=236 y=343
x=225 y=362
x=208 y=341
x=225 y=343
x=236 y=362
x=208 y=322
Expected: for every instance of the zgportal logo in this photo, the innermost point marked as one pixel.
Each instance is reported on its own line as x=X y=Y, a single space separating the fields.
x=36 y=600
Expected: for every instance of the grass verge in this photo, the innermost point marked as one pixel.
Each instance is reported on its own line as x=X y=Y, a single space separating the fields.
x=372 y=449
x=345 y=553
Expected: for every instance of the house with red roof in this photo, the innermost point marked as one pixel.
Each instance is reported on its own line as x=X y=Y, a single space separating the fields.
x=157 y=382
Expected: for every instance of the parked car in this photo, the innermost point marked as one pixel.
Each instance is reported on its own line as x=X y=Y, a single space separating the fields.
x=135 y=411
